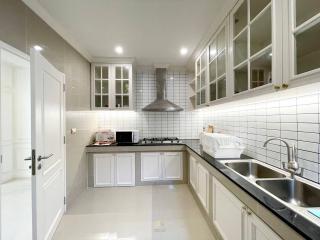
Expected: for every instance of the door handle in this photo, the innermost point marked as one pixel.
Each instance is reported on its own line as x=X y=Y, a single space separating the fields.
x=44 y=157
x=28 y=159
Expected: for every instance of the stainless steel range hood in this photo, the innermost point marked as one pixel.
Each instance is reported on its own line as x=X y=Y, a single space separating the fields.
x=161 y=104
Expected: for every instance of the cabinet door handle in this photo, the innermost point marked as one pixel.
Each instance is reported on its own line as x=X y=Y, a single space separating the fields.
x=285 y=85
x=249 y=212
x=276 y=87
x=244 y=209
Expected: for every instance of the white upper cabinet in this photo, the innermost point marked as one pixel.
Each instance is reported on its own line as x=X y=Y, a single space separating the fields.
x=112 y=86
x=255 y=28
x=304 y=32
x=245 y=53
x=218 y=65
x=202 y=78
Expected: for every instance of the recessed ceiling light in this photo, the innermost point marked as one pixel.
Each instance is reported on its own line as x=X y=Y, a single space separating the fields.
x=118 y=49
x=183 y=51
x=37 y=48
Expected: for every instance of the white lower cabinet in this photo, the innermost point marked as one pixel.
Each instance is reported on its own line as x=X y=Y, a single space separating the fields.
x=193 y=172
x=157 y=166
x=203 y=186
x=258 y=230
x=172 y=166
x=125 y=169
x=150 y=166
x=103 y=165
x=234 y=220
x=228 y=213
x=114 y=169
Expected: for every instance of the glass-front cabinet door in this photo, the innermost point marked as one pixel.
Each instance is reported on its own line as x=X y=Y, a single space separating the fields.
x=101 y=86
x=304 y=34
x=112 y=85
x=122 y=84
x=201 y=78
x=251 y=40
x=217 y=65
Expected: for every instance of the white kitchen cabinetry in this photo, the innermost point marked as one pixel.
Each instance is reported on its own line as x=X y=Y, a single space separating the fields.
x=172 y=166
x=203 y=186
x=258 y=230
x=114 y=169
x=234 y=220
x=103 y=170
x=256 y=37
x=150 y=166
x=228 y=213
x=125 y=169
x=157 y=166
x=112 y=86
x=193 y=172
x=303 y=30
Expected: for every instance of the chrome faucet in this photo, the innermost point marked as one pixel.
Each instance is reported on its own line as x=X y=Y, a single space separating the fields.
x=293 y=165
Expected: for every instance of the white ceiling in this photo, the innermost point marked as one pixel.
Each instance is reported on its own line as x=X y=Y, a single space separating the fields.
x=151 y=31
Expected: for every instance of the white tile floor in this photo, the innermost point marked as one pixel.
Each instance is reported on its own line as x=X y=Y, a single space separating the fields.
x=16 y=210
x=137 y=213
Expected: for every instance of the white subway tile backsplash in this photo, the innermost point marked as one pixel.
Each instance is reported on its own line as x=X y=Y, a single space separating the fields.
x=289 y=118
x=292 y=135
x=296 y=119
x=310 y=156
x=288 y=110
x=308 y=99
x=308 y=137
x=289 y=126
x=307 y=146
x=311 y=108
x=308 y=118
x=313 y=176
x=308 y=127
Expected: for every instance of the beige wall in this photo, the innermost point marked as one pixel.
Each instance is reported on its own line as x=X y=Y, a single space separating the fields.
x=21 y=28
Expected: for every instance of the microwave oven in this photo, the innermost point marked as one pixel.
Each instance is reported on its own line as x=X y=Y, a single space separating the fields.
x=127 y=136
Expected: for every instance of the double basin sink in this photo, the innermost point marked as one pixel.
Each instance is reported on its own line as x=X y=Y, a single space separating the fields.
x=278 y=184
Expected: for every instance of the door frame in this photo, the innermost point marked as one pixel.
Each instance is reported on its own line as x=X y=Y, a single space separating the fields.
x=17 y=52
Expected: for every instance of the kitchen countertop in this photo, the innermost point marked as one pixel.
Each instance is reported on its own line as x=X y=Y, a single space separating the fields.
x=305 y=227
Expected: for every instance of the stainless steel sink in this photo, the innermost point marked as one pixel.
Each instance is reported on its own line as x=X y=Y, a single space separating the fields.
x=292 y=191
x=254 y=170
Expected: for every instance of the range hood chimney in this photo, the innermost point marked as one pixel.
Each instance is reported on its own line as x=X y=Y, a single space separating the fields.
x=161 y=104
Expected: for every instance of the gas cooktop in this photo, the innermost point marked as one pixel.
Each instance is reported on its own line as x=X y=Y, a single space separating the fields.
x=157 y=140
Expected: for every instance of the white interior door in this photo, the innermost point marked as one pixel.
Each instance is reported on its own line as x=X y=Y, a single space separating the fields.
x=48 y=154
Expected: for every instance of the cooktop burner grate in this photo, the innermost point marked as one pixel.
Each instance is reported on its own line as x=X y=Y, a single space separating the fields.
x=161 y=140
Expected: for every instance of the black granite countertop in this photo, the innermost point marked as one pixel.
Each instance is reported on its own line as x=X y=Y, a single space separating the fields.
x=305 y=227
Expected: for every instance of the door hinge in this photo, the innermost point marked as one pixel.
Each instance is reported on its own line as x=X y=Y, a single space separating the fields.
x=64 y=87
x=1 y=159
x=64 y=200
x=64 y=139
